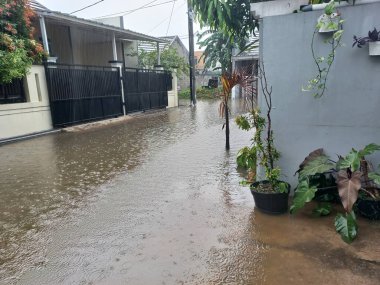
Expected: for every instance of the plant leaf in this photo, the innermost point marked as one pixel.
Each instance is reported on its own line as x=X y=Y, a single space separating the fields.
x=312 y=155
x=349 y=185
x=346 y=226
x=375 y=177
x=369 y=149
x=303 y=194
x=319 y=164
x=323 y=209
x=352 y=161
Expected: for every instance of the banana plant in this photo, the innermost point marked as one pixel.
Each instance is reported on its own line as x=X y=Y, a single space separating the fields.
x=351 y=176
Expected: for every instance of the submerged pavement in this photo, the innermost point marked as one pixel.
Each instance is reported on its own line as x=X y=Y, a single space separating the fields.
x=157 y=200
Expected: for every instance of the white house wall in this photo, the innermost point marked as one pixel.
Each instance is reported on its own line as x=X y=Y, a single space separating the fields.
x=33 y=116
x=173 y=94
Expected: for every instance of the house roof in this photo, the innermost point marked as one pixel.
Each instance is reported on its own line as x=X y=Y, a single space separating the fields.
x=173 y=39
x=72 y=20
x=169 y=40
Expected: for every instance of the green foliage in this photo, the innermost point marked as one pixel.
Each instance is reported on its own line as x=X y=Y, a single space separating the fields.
x=323 y=209
x=202 y=93
x=303 y=194
x=352 y=159
x=18 y=49
x=346 y=226
x=218 y=50
x=246 y=158
x=375 y=177
x=348 y=173
x=170 y=60
x=230 y=17
x=261 y=151
x=318 y=84
x=319 y=164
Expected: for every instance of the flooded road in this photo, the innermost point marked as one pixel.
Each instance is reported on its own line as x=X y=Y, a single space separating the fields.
x=157 y=200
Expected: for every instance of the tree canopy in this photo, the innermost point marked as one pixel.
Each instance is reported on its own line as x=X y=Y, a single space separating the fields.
x=218 y=49
x=233 y=18
x=18 y=49
x=170 y=60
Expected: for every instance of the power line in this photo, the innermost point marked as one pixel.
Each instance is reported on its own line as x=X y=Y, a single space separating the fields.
x=164 y=20
x=170 y=20
x=145 y=6
x=86 y=7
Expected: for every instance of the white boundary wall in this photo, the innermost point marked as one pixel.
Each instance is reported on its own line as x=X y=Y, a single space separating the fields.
x=31 y=117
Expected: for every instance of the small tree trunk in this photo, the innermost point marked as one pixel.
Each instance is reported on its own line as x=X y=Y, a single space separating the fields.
x=227 y=127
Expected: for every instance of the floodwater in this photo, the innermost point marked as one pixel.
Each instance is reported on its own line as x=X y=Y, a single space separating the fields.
x=157 y=200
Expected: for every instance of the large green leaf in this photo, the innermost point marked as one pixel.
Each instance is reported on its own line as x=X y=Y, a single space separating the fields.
x=303 y=194
x=375 y=177
x=352 y=161
x=346 y=226
x=319 y=164
x=349 y=184
x=369 y=149
x=311 y=156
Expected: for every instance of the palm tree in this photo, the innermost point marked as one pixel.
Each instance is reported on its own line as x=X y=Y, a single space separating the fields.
x=230 y=80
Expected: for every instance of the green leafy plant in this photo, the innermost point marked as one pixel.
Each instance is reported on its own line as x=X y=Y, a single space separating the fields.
x=351 y=174
x=170 y=60
x=330 y=21
x=262 y=151
x=18 y=49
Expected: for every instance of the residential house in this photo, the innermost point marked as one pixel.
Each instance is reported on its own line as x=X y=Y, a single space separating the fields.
x=84 y=83
x=202 y=74
x=170 y=42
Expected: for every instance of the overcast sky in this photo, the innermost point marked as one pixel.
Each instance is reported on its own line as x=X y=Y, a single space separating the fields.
x=151 y=21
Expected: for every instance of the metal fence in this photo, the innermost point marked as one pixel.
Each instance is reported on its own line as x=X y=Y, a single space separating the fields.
x=83 y=93
x=12 y=92
x=146 y=89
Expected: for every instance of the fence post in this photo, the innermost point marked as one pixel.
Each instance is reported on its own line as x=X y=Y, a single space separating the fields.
x=122 y=89
x=119 y=65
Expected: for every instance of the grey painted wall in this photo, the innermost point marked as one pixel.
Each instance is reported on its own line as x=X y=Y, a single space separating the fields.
x=349 y=113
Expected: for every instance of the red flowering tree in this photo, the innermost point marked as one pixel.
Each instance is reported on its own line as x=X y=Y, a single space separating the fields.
x=18 y=49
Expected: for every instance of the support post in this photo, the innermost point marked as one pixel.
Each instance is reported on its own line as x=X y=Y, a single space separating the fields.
x=114 y=50
x=44 y=34
x=190 y=15
x=158 y=54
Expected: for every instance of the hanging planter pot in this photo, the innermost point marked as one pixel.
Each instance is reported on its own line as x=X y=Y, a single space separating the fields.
x=328 y=23
x=374 y=48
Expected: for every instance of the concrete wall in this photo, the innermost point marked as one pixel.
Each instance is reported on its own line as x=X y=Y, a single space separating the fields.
x=278 y=7
x=348 y=115
x=32 y=116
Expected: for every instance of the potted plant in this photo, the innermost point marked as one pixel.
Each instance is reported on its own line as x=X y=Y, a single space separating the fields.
x=270 y=194
x=329 y=21
x=373 y=41
x=354 y=181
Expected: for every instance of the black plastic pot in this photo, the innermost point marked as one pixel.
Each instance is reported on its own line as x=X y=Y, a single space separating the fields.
x=270 y=203
x=369 y=208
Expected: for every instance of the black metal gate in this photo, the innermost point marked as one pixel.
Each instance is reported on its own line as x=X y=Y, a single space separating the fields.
x=83 y=93
x=146 y=89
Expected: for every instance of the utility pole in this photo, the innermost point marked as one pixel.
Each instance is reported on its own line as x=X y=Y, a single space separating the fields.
x=190 y=15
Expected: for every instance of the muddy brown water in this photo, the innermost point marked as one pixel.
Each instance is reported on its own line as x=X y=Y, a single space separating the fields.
x=157 y=200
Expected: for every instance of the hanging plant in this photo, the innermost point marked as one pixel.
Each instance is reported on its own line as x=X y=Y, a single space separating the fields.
x=329 y=22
